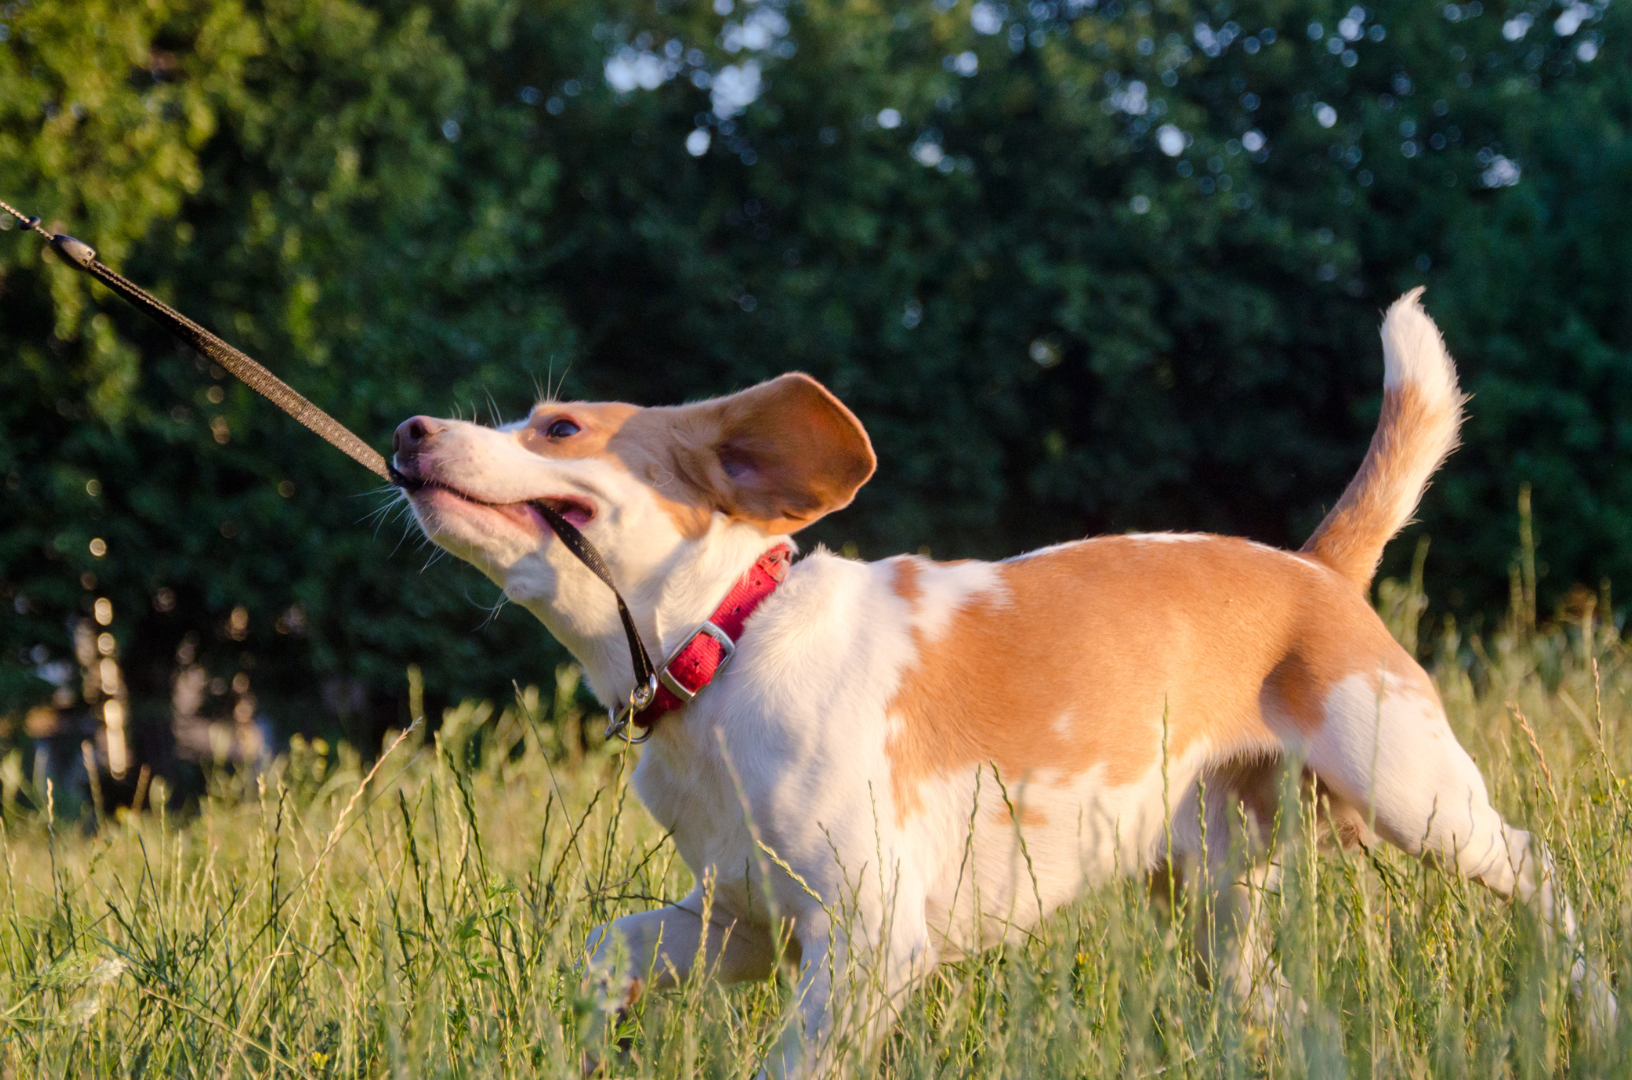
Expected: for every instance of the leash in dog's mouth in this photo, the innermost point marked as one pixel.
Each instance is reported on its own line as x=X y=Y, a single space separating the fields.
x=258 y=378
x=640 y=659
x=657 y=690
x=579 y=511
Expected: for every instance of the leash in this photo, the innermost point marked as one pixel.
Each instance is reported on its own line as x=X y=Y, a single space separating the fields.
x=645 y=691
x=336 y=434
x=250 y=373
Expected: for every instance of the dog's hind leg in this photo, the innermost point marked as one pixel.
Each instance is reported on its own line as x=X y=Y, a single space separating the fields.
x=1384 y=745
x=1225 y=832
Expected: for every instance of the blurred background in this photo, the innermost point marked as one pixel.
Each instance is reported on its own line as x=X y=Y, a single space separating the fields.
x=1079 y=267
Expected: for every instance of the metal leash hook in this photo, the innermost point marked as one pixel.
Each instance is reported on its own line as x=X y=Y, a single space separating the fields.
x=617 y=726
x=77 y=252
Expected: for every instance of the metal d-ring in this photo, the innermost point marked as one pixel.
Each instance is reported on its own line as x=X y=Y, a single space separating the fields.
x=618 y=720
x=618 y=728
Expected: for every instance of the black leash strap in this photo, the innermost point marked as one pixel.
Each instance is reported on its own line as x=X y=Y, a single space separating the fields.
x=645 y=672
x=285 y=397
x=252 y=374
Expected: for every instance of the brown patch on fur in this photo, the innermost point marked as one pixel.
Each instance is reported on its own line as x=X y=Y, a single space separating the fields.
x=780 y=454
x=598 y=423
x=1410 y=442
x=1030 y=816
x=604 y=433
x=1228 y=640
x=905 y=585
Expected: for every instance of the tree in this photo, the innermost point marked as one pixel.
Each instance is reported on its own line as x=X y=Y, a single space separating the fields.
x=1078 y=268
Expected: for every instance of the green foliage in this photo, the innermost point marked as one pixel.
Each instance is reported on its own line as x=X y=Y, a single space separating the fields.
x=429 y=920
x=1050 y=325
x=326 y=230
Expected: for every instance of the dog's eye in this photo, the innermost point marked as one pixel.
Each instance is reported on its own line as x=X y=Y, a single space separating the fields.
x=560 y=429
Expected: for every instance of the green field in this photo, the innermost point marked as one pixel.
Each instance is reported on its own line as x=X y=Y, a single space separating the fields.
x=429 y=920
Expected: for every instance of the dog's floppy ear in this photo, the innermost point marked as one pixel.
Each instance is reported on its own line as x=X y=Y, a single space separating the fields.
x=780 y=454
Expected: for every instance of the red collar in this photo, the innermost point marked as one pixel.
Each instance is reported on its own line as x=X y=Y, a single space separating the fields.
x=709 y=647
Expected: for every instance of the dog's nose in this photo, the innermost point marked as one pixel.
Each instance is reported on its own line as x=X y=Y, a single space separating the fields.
x=413 y=435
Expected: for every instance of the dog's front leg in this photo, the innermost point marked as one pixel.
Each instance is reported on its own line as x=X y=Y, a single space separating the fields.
x=664 y=947
x=661 y=949
x=847 y=996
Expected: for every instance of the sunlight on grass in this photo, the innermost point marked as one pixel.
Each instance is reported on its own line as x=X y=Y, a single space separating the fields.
x=431 y=921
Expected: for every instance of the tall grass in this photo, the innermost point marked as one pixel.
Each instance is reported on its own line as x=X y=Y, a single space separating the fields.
x=427 y=918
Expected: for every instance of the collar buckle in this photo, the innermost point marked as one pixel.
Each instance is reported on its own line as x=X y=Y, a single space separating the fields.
x=679 y=689
x=618 y=720
x=754 y=586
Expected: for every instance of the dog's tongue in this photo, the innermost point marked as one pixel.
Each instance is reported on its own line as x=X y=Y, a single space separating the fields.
x=576 y=513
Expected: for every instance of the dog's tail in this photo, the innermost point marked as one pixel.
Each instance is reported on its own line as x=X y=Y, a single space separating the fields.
x=1422 y=410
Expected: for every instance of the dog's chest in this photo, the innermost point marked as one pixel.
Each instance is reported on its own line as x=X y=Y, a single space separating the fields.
x=691 y=795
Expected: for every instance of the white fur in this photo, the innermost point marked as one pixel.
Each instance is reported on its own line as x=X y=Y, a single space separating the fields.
x=1168 y=537
x=783 y=759
x=1414 y=352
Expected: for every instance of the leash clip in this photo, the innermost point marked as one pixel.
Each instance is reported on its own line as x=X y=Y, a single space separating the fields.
x=618 y=719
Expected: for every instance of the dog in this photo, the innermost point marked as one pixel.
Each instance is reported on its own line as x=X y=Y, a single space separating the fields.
x=904 y=761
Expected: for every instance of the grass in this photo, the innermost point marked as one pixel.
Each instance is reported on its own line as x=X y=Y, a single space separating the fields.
x=427 y=918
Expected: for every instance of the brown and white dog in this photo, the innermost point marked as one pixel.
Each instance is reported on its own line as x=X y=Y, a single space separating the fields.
x=915 y=759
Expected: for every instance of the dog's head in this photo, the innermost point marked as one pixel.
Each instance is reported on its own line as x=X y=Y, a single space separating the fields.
x=656 y=490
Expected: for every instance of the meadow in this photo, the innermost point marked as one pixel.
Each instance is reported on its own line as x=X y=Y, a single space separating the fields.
x=423 y=914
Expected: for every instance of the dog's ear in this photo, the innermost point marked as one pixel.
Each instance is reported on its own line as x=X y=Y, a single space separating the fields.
x=780 y=454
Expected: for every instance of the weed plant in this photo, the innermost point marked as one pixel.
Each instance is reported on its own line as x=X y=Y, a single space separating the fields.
x=425 y=915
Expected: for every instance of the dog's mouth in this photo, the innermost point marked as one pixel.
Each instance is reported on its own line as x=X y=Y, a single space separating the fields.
x=575 y=508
